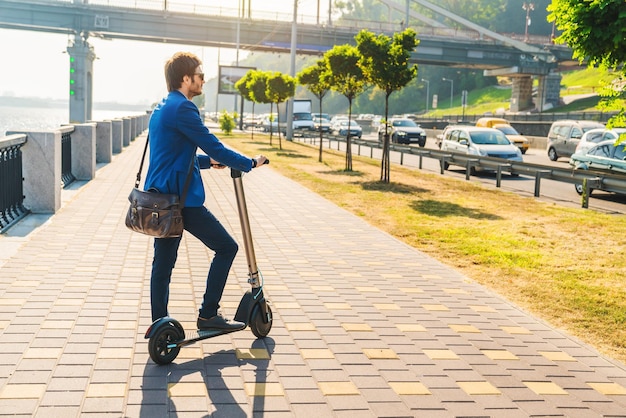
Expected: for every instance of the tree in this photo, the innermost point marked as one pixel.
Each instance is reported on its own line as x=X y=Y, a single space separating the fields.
x=385 y=63
x=243 y=86
x=314 y=80
x=346 y=77
x=258 y=91
x=596 y=31
x=280 y=87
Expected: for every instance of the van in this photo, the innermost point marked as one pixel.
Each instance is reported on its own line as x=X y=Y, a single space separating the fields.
x=505 y=127
x=565 y=135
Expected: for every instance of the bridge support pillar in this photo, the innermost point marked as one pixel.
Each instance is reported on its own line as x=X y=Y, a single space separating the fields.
x=549 y=91
x=81 y=79
x=522 y=93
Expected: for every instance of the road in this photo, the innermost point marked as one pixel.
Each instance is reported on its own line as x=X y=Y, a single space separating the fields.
x=551 y=191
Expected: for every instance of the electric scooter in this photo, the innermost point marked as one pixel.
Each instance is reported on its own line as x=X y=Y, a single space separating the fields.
x=166 y=335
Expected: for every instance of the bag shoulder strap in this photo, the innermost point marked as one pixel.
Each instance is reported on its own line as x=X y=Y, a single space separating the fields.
x=187 y=180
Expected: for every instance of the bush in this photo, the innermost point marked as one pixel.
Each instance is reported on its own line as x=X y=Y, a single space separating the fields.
x=227 y=123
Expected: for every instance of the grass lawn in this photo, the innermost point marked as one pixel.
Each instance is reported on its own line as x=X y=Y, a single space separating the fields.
x=566 y=266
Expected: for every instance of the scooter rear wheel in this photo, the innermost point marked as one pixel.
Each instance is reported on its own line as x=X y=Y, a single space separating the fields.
x=158 y=346
x=259 y=328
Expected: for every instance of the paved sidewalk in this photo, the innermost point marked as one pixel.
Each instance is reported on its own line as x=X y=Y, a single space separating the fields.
x=364 y=326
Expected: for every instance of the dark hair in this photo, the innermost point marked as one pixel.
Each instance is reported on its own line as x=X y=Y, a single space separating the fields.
x=180 y=65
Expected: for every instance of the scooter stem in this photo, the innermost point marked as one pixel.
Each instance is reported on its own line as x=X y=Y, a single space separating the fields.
x=253 y=270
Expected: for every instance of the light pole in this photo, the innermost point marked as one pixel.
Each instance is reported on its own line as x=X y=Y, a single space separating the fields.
x=427 y=92
x=451 y=89
x=529 y=7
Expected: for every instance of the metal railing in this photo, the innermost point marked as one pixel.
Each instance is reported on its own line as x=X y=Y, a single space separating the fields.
x=591 y=180
x=11 y=188
x=66 y=159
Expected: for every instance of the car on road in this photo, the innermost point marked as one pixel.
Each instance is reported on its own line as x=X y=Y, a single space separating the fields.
x=321 y=124
x=482 y=142
x=269 y=122
x=594 y=136
x=403 y=131
x=342 y=126
x=503 y=125
x=564 y=136
x=605 y=157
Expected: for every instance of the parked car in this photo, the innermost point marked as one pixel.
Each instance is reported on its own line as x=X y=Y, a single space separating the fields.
x=342 y=126
x=565 y=135
x=605 y=156
x=505 y=127
x=403 y=131
x=484 y=142
x=594 y=136
x=252 y=121
x=321 y=124
x=267 y=124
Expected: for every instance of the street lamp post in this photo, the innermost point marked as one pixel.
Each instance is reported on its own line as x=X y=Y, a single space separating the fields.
x=529 y=7
x=451 y=89
x=427 y=92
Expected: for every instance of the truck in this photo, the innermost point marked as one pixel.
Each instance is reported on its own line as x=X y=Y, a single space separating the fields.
x=302 y=118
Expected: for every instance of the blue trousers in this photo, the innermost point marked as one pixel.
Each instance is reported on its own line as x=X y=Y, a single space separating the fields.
x=200 y=223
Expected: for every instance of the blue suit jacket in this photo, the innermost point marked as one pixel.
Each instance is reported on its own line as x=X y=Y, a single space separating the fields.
x=176 y=132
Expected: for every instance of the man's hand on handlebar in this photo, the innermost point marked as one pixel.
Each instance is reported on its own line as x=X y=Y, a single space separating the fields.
x=260 y=160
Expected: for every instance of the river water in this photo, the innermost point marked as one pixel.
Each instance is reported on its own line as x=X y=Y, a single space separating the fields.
x=23 y=118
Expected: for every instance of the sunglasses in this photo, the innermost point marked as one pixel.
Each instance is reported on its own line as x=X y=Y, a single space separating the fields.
x=201 y=75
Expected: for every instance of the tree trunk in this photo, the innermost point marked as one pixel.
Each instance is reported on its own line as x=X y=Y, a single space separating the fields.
x=321 y=133
x=348 y=143
x=270 y=118
x=385 y=163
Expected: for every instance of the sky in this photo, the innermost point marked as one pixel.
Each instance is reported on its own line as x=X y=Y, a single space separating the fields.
x=35 y=64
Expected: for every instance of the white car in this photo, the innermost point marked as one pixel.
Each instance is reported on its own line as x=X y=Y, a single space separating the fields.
x=341 y=128
x=482 y=142
x=594 y=136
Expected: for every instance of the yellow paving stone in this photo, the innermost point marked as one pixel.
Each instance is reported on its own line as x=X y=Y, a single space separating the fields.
x=300 y=326
x=124 y=302
x=252 y=354
x=264 y=389
x=186 y=389
x=380 y=353
x=338 y=388
x=130 y=285
x=297 y=261
x=37 y=268
x=431 y=276
x=481 y=308
x=516 y=330
x=336 y=262
x=4 y=324
x=121 y=325
x=557 y=356
x=308 y=274
x=182 y=303
x=229 y=304
x=351 y=274
x=50 y=324
x=70 y=302
x=47 y=352
x=356 y=327
x=411 y=290
x=409 y=388
x=316 y=353
x=441 y=354
x=323 y=288
x=608 y=388
x=286 y=305
x=194 y=352
x=545 y=388
x=337 y=306
x=276 y=287
x=180 y=286
x=26 y=283
x=106 y=390
x=499 y=355
x=374 y=263
x=77 y=283
x=455 y=291
x=11 y=301
x=411 y=327
x=115 y=353
x=391 y=276
x=412 y=264
x=467 y=329
x=366 y=289
x=360 y=252
x=19 y=391
x=478 y=388
x=440 y=308
x=386 y=307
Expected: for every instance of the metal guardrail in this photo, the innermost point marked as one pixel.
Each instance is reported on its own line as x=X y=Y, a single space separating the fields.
x=591 y=180
x=11 y=190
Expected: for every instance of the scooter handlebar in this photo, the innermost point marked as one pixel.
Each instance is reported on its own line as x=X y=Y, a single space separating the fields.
x=234 y=173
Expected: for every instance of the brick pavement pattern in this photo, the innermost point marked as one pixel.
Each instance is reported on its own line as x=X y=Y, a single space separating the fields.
x=364 y=326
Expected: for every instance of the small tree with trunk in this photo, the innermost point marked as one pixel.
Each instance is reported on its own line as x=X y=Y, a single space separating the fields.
x=315 y=80
x=280 y=87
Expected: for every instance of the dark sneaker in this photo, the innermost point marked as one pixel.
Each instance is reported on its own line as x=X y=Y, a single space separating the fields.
x=219 y=322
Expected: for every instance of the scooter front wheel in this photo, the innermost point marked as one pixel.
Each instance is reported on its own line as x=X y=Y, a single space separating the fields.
x=258 y=326
x=160 y=345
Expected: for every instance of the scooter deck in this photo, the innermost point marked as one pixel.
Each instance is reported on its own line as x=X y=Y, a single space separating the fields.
x=200 y=335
